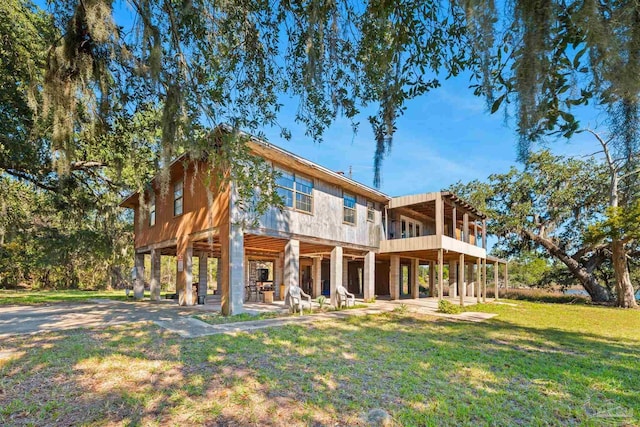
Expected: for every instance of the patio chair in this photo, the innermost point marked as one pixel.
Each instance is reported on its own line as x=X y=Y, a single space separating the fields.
x=344 y=297
x=252 y=289
x=295 y=296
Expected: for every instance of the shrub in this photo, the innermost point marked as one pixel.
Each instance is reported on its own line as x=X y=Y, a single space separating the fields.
x=543 y=295
x=321 y=301
x=445 y=306
x=402 y=309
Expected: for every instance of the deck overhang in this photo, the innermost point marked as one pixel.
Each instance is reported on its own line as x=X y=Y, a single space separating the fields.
x=430 y=245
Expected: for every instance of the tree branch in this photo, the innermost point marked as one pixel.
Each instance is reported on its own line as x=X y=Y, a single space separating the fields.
x=27 y=177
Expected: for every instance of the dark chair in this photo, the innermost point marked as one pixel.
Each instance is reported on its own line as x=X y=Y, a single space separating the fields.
x=252 y=289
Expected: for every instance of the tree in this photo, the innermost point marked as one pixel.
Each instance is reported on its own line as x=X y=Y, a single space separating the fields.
x=554 y=57
x=621 y=226
x=548 y=206
x=211 y=62
x=530 y=268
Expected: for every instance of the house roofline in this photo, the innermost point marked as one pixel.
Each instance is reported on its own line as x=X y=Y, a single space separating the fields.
x=128 y=201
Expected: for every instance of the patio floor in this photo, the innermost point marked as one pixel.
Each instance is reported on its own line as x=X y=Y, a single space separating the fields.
x=191 y=327
x=422 y=305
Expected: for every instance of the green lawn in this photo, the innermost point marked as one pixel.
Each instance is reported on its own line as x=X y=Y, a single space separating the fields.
x=42 y=297
x=534 y=364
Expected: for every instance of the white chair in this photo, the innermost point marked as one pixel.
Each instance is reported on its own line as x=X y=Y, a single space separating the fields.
x=344 y=297
x=295 y=296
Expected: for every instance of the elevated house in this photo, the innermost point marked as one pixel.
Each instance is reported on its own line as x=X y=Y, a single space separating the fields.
x=333 y=230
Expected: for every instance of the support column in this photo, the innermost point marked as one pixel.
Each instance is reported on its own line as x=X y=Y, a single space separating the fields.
x=439 y=214
x=432 y=279
x=440 y=274
x=291 y=265
x=479 y=277
x=155 y=275
x=345 y=272
x=415 y=285
x=454 y=222
x=278 y=275
x=369 y=285
x=138 y=284
x=336 y=272
x=394 y=277
x=506 y=275
x=462 y=287
x=317 y=277
x=203 y=274
x=496 y=273
x=184 y=271
x=218 y=275
x=475 y=233
x=232 y=269
x=484 y=235
x=484 y=280
x=453 y=279
x=465 y=225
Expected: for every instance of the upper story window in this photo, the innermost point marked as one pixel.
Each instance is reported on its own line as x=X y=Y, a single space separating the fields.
x=178 y=198
x=349 y=202
x=371 y=213
x=152 y=210
x=296 y=191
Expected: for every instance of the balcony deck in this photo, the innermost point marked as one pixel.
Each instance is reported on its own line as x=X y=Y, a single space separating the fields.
x=431 y=243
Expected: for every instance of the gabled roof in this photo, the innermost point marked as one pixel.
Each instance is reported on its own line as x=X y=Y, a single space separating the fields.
x=280 y=155
x=422 y=198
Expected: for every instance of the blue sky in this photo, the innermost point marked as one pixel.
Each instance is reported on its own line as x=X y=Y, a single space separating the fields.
x=445 y=136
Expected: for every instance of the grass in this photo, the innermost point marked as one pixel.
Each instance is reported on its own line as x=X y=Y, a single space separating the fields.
x=216 y=318
x=8 y=297
x=533 y=364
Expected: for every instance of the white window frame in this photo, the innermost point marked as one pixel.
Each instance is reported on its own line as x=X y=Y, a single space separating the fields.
x=411 y=224
x=371 y=211
x=152 y=209
x=346 y=208
x=296 y=180
x=180 y=197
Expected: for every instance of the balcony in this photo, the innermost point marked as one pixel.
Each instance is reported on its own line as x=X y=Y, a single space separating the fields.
x=431 y=243
x=433 y=221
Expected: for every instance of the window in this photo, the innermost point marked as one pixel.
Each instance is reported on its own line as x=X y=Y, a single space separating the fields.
x=304 y=194
x=349 y=208
x=370 y=212
x=178 y=198
x=296 y=191
x=152 y=210
x=410 y=227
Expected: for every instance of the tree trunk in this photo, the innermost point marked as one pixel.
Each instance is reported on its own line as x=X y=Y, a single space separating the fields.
x=585 y=276
x=624 y=288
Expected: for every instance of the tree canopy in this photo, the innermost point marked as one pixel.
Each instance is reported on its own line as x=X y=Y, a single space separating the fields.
x=553 y=206
x=97 y=95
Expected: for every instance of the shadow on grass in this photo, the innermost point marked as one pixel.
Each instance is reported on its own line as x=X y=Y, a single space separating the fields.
x=423 y=371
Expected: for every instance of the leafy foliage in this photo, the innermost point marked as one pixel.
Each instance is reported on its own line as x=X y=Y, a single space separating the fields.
x=550 y=57
x=548 y=208
x=447 y=307
x=530 y=269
